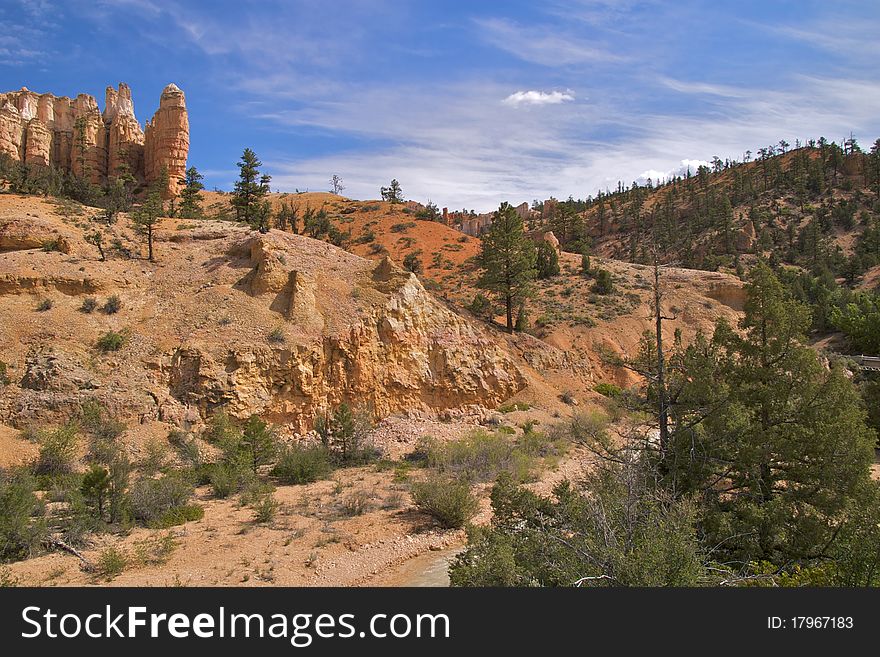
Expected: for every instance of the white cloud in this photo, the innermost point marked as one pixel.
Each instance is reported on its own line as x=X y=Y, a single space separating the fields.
x=538 y=98
x=471 y=159
x=682 y=170
x=541 y=45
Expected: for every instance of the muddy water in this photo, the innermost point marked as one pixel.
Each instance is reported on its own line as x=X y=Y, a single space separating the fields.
x=429 y=569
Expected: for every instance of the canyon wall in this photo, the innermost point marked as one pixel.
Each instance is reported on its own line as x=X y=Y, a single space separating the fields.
x=74 y=136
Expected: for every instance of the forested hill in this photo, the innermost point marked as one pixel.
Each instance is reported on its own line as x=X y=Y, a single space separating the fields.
x=815 y=206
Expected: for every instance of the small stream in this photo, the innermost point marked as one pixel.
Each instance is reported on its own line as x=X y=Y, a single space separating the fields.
x=429 y=569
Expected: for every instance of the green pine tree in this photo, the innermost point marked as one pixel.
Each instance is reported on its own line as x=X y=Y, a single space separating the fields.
x=190 y=195
x=546 y=260
x=772 y=439
x=507 y=258
x=145 y=218
x=251 y=189
x=393 y=193
x=258 y=443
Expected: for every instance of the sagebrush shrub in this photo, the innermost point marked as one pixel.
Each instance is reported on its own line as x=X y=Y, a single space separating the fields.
x=449 y=501
x=110 y=341
x=303 y=465
x=57 y=451
x=152 y=498
x=113 y=305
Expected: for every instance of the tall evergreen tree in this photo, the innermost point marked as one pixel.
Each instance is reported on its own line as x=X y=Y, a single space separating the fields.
x=146 y=216
x=507 y=258
x=251 y=189
x=546 y=261
x=190 y=195
x=258 y=443
x=393 y=193
x=773 y=440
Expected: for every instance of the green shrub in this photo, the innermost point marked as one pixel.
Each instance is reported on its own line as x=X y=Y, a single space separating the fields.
x=57 y=451
x=449 y=501
x=586 y=266
x=220 y=428
x=44 y=305
x=481 y=456
x=156 y=550
x=178 y=516
x=79 y=522
x=480 y=306
x=155 y=457
x=258 y=444
x=412 y=262
x=394 y=500
x=617 y=528
x=112 y=305
x=367 y=237
x=344 y=433
x=21 y=526
x=110 y=341
x=608 y=390
x=538 y=444
x=604 y=282
x=357 y=503
x=88 y=305
x=265 y=509
x=546 y=261
x=589 y=427
x=303 y=465
x=402 y=227
x=95 y=488
x=228 y=478
x=151 y=499
x=93 y=418
x=276 y=335
x=111 y=562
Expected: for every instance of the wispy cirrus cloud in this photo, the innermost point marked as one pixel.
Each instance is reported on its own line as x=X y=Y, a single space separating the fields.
x=540 y=44
x=473 y=104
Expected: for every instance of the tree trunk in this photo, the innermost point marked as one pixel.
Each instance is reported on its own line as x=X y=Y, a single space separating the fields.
x=662 y=410
x=509 y=304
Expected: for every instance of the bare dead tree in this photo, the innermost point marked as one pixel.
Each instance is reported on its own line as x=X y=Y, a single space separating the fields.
x=336 y=185
x=662 y=403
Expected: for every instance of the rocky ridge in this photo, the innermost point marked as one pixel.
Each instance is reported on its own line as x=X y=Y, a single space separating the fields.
x=276 y=324
x=75 y=136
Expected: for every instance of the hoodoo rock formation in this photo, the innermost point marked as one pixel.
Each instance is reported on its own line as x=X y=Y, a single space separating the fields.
x=167 y=139
x=73 y=135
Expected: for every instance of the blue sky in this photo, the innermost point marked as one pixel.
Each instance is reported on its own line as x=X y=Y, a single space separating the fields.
x=466 y=103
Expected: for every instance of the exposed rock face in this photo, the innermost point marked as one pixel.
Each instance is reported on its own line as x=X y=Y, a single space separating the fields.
x=523 y=211
x=552 y=240
x=73 y=135
x=406 y=351
x=11 y=133
x=200 y=331
x=125 y=139
x=167 y=140
x=745 y=240
x=38 y=144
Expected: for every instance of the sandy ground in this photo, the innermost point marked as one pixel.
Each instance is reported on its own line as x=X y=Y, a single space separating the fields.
x=313 y=540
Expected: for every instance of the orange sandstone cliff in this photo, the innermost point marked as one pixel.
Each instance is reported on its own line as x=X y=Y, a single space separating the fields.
x=75 y=136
